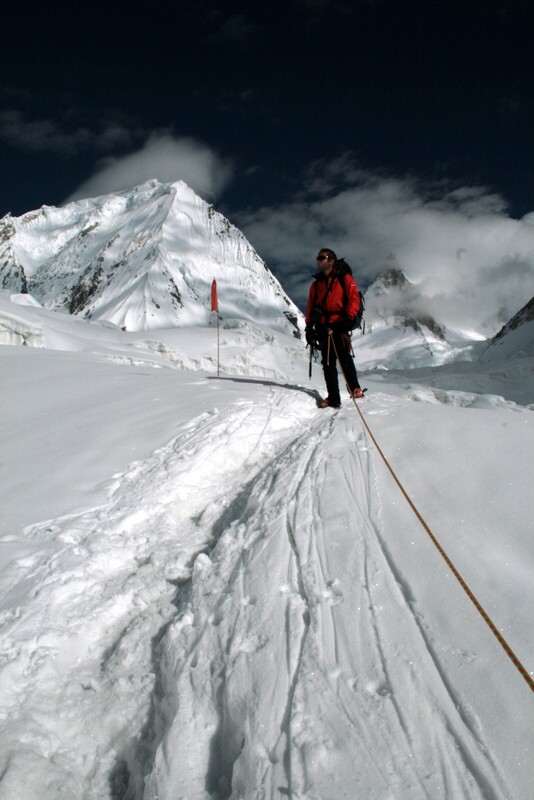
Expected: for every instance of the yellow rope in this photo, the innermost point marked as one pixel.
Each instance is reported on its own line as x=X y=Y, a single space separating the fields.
x=485 y=616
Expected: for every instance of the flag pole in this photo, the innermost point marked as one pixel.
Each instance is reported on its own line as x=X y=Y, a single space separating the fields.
x=215 y=307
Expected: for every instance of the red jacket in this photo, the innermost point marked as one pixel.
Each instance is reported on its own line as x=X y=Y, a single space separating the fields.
x=328 y=294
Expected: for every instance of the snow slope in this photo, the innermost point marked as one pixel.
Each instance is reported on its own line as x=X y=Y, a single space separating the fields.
x=515 y=339
x=212 y=589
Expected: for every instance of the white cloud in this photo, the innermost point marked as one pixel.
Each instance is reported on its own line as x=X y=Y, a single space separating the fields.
x=167 y=159
x=162 y=156
x=472 y=263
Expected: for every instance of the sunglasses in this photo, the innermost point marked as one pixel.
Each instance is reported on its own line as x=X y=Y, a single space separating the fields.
x=321 y=258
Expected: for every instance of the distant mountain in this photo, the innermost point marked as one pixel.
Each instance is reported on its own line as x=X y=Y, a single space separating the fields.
x=392 y=278
x=142 y=259
x=393 y=298
x=401 y=333
x=515 y=339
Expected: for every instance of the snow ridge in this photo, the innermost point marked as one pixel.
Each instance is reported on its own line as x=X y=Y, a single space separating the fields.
x=515 y=340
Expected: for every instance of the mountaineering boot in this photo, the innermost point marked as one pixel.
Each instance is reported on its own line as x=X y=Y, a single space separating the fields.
x=327 y=403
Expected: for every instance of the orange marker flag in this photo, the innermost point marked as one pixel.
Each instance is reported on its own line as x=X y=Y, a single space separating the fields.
x=214 y=298
x=215 y=307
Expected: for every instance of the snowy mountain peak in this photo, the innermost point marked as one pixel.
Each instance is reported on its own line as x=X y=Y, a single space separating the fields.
x=390 y=278
x=142 y=259
x=394 y=299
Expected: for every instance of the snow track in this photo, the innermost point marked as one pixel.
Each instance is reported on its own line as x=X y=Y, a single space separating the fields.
x=232 y=624
x=78 y=663
x=287 y=670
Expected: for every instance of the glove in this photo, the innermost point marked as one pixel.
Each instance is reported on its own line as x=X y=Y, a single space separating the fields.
x=343 y=325
x=310 y=334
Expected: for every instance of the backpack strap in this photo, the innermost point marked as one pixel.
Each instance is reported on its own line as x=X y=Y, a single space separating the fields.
x=341 y=275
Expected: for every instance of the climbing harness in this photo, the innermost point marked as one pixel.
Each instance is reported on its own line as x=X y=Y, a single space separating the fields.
x=485 y=616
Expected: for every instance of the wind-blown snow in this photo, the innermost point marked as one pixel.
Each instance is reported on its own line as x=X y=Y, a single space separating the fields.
x=210 y=588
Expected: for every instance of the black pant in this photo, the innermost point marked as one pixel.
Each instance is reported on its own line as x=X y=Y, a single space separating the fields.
x=341 y=343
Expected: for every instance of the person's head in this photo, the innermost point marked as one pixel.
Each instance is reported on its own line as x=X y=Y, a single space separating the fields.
x=326 y=259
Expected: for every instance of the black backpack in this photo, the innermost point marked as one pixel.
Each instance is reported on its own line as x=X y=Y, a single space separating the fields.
x=343 y=269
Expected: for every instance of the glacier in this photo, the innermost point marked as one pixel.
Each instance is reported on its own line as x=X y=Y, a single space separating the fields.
x=210 y=588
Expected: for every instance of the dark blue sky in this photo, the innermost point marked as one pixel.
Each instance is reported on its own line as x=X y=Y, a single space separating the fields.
x=442 y=91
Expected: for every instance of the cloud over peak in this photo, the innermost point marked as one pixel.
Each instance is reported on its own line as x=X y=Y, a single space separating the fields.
x=473 y=264
x=166 y=158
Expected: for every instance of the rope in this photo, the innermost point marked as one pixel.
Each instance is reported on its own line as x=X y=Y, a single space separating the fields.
x=485 y=616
